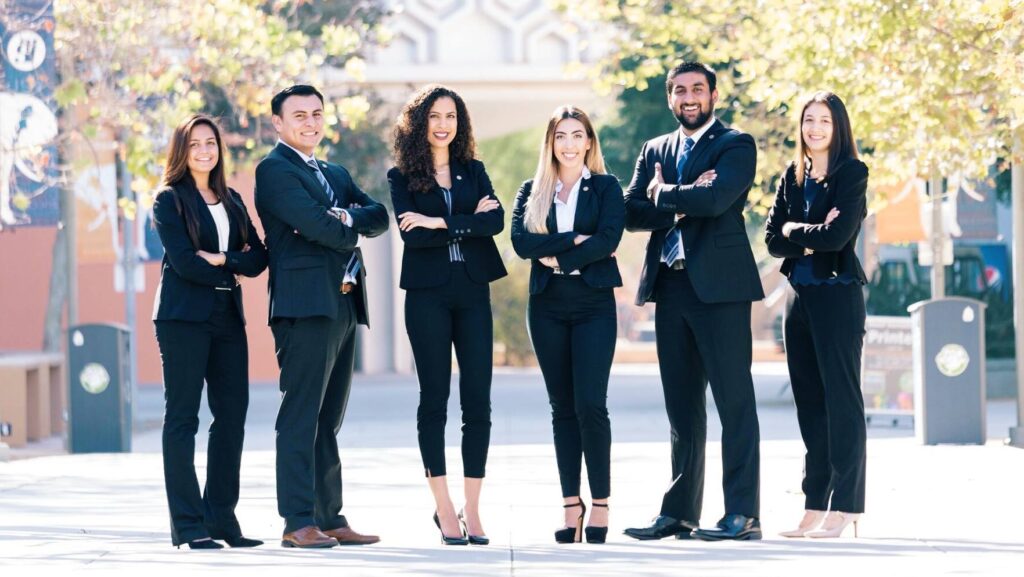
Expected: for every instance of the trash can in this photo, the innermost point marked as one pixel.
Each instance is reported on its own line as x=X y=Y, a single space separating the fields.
x=949 y=370
x=99 y=389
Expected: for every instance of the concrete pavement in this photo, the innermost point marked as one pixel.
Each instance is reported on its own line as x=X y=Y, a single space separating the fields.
x=946 y=510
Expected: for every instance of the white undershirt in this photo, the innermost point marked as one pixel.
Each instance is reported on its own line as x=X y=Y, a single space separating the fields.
x=220 y=218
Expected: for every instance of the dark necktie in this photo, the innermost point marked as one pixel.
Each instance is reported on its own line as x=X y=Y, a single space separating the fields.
x=671 y=252
x=323 y=181
x=352 y=269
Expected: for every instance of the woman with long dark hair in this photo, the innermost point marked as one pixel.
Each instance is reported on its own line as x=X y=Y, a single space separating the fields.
x=813 y=225
x=208 y=241
x=447 y=217
x=568 y=221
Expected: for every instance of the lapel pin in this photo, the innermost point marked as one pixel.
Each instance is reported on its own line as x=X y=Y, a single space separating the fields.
x=586 y=188
x=711 y=136
x=458 y=177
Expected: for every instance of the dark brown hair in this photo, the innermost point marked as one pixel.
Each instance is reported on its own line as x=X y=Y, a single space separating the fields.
x=684 y=67
x=412 y=151
x=178 y=178
x=841 y=148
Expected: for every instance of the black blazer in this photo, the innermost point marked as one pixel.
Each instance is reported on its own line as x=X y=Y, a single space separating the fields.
x=718 y=257
x=425 y=261
x=309 y=248
x=834 y=245
x=600 y=213
x=188 y=283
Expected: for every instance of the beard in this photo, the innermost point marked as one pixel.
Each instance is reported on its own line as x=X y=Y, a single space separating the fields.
x=702 y=118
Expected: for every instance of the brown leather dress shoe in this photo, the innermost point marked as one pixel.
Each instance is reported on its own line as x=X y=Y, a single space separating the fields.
x=308 y=538
x=346 y=536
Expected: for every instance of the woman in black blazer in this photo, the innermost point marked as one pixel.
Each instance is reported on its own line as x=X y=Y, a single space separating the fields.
x=208 y=240
x=447 y=216
x=820 y=204
x=568 y=220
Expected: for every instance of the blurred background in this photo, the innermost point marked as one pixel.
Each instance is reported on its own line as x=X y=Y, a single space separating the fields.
x=90 y=91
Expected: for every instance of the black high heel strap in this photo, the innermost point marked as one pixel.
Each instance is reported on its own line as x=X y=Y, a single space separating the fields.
x=605 y=505
x=576 y=504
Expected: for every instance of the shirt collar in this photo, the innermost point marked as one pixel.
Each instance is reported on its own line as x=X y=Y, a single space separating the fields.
x=696 y=136
x=559 y=185
x=302 y=155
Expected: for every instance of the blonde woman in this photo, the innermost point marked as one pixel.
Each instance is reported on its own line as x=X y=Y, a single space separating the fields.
x=568 y=220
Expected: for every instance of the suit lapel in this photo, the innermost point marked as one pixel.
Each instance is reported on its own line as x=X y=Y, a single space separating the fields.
x=308 y=171
x=460 y=186
x=673 y=146
x=583 y=201
x=207 y=227
x=702 y=146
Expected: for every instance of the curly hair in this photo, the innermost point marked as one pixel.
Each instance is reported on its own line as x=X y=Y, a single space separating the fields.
x=412 y=151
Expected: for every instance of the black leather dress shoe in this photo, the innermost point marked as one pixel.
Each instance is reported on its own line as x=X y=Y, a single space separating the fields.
x=662 y=526
x=734 y=527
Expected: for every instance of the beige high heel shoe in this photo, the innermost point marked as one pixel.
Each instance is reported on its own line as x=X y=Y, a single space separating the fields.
x=834 y=525
x=811 y=520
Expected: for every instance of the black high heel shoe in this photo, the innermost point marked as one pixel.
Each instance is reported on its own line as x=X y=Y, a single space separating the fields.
x=473 y=539
x=206 y=543
x=461 y=540
x=572 y=534
x=597 y=534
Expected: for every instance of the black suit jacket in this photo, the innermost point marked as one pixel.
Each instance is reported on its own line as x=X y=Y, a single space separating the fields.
x=309 y=248
x=600 y=213
x=834 y=245
x=187 y=282
x=718 y=257
x=425 y=260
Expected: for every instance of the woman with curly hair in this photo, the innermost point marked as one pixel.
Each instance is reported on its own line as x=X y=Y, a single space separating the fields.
x=447 y=217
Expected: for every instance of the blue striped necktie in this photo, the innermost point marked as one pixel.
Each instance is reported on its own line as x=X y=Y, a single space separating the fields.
x=670 y=252
x=323 y=181
x=352 y=269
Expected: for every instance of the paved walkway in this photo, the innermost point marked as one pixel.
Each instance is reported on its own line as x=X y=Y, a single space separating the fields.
x=946 y=510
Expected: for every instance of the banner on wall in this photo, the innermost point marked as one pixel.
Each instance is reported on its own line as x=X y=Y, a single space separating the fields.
x=29 y=174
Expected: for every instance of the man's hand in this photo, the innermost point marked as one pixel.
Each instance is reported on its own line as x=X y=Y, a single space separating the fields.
x=789 y=227
x=580 y=239
x=549 y=261
x=654 y=186
x=486 y=204
x=706 y=179
x=832 y=215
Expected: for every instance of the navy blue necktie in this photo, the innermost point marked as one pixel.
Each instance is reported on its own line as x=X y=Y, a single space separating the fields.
x=323 y=181
x=671 y=252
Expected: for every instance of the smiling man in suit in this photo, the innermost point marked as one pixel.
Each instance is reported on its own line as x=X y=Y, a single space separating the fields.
x=313 y=215
x=689 y=190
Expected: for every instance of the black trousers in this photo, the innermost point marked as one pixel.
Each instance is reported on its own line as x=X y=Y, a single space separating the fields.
x=316 y=357
x=457 y=313
x=700 y=342
x=824 y=334
x=190 y=352
x=572 y=327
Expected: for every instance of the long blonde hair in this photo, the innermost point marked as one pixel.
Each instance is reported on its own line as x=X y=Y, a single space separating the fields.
x=544 y=180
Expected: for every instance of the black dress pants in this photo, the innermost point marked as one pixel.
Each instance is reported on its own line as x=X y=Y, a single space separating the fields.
x=824 y=334
x=190 y=352
x=316 y=356
x=573 y=328
x=457 y=313
x=700 y=343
